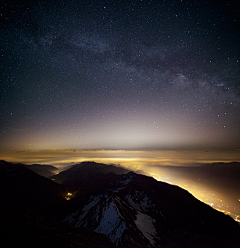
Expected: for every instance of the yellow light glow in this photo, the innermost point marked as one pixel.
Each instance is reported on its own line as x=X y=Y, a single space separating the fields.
x=69 y=196
x=155 y=163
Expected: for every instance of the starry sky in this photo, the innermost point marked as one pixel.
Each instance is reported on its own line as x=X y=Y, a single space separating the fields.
x=131 y=75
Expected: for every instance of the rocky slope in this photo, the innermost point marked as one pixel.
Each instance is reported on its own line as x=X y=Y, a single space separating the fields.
x=107 y=207
x=31 y=211
x=138 y=211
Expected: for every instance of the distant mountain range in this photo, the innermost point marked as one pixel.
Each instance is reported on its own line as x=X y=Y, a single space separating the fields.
x=43 y=170
x=32 y=210
x=99 y=205
x=87 y=175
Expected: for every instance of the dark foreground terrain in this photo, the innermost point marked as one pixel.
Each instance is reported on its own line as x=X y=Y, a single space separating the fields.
x=98 y=205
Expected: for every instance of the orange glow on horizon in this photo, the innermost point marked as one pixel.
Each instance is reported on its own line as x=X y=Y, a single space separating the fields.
x=152 y=163
x=127 y=158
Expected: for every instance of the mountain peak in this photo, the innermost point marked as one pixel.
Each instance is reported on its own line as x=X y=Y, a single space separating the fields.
x=126 y=209
x=85 y=173
x=136 y=210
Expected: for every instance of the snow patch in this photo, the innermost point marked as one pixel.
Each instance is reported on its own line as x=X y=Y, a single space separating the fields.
x=111 y=224
x=109 y=218
x=72 y=217
x=145 y=224
x=101 y=214
x=93 y=201
x=140 y=201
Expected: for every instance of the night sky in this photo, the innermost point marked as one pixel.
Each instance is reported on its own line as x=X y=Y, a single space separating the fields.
x=131 y=75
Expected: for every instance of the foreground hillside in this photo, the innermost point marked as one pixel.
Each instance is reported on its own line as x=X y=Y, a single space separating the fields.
x=98 y=205
x=32 y=210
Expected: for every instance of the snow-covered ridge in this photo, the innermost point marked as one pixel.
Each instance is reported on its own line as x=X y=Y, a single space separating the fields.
x=140 y=201
x=111 y=223
x=118 y=213
x=146 y=225
x=101 y=215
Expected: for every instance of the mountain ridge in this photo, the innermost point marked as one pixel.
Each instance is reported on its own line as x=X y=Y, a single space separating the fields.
x=106 y=210
x=43 y=169
x=168 y=210
x=31 y=213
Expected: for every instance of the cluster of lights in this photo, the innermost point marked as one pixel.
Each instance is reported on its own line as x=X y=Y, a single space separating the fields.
x=206 y=201
x=69 y=196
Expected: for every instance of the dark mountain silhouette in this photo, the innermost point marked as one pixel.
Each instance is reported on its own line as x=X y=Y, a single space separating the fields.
x=43 y=170
x=31 y=212
x=26 y=188
x=85 y=174
x=111 y=207
x=138 y=211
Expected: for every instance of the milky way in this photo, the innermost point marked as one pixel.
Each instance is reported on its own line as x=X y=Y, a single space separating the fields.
x=117 y=75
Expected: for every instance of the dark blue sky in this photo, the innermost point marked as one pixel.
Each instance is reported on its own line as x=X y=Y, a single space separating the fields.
x=120 y=75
